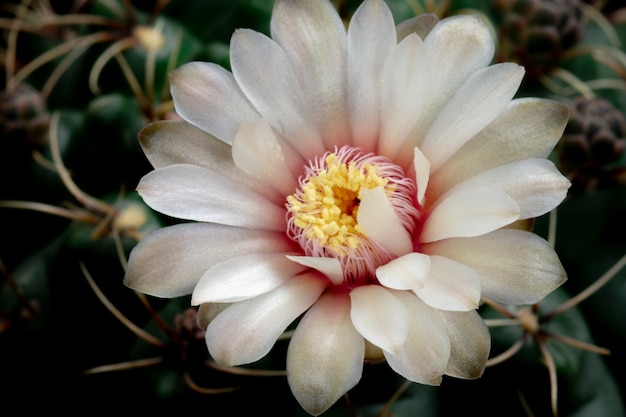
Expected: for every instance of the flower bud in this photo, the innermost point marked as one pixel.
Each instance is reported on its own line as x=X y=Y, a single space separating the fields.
x=593 y=139
x=24 y=119
x=538 y=32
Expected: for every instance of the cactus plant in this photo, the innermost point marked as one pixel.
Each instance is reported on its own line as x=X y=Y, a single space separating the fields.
x=81 y=80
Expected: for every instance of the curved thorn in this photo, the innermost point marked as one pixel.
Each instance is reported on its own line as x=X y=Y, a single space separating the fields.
x=603 y=23
x=111 y=51
x=127 y=323
x=56 y=52
x=385 y=411
x=12 y=41
x=499 y=308
x=501 y=322
x=524 y=403
x=549 y=362
x=58 y=71
x=114 y=8
x=570 y=79
x=244 y=371
x=77 y=19
x=590 y=290
x=85 y=217
x=85 y=199
x=578 y=344
x=507 y=354
x=124 y=366
x=133 y=82
x=203 y=390
x=153 y=314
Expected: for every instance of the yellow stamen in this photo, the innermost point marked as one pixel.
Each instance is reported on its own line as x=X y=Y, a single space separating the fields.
x=327 y=204
x=322 y=213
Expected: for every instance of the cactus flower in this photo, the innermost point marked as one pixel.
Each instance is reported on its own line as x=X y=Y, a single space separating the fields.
x=365 y=185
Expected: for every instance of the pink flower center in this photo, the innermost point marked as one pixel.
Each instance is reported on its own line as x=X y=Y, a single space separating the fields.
x=322 y=213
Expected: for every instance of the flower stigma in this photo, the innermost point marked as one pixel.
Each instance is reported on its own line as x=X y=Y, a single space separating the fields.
x=322 y=213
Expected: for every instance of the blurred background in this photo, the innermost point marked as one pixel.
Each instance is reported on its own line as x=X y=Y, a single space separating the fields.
x=80 y=78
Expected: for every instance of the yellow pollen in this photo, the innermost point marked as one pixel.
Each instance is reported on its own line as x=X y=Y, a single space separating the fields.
x=326 y=206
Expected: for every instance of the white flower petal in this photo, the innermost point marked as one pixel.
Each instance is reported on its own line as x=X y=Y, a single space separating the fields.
x=170 y=142
x=259 y=321
x=454 y=49
x=421 y=25
x=193 y=193
x=325 y=355
x=403 y=82
x=431 y=105
x=450 y=285
x=208 y=311
x=319 y=60
x=266 y=76
x=470 y=343
x=536 y=185
x=459 y=46
x=381 y=223
x=207 y=96
x=461 y=42
x=425 y=353
x=422 y=174
x=469 y=211
x=244 y=276
x=170 y=261
x=380 y=317
x=371 y=37
x=514 y=266
x=528 y=128
x=331 y=267
x=474 y=105
x=408 y=272
x=259 y=153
